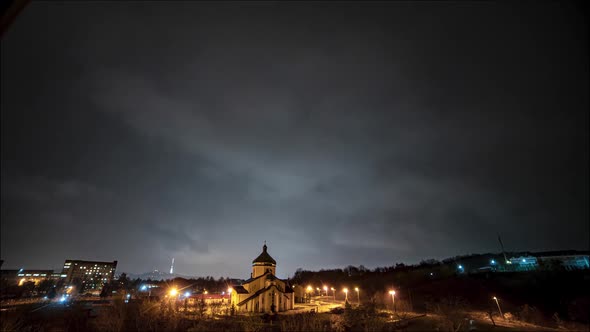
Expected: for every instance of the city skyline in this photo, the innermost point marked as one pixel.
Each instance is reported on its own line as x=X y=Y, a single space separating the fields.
x=340 y=133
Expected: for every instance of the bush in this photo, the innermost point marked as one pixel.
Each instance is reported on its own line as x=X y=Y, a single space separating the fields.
x=530 y=314
x=578 y=310
x=452 y=311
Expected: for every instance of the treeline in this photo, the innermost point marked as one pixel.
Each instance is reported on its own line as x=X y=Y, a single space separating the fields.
x=199 y=285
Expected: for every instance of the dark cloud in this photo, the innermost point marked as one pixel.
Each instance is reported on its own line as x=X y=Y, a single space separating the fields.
x=339 y=133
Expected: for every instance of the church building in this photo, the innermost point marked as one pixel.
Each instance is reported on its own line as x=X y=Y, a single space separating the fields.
x=263 y=292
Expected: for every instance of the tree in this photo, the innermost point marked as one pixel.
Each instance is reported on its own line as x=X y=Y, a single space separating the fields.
x=45 y=286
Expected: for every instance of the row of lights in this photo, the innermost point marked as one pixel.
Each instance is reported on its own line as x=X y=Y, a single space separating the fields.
x=345 y=291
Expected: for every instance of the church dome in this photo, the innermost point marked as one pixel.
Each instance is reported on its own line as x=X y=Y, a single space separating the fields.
x=264 y=258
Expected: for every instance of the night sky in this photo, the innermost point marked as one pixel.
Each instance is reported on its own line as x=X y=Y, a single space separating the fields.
x=340 y=133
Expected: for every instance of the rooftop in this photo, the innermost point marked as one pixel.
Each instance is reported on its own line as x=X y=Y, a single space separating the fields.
x=264 y=257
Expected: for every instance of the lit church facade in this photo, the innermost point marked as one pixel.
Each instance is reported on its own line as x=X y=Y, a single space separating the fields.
x=263 y=292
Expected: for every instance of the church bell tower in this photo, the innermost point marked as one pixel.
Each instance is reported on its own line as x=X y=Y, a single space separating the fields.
x=263 y=263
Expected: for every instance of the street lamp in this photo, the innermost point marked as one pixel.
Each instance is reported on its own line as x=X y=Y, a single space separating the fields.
x=319 y=291
x=498 y=304
x=392 y=293
x=326 y=290
x=345 y=290
x=358 y=295
x=334 y=293
x=173 y=292
x=309 y=290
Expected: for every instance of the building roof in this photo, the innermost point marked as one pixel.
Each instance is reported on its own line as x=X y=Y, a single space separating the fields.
x=240 y=289
x=268 y=275
x=262 y=290
x=209 y=296
x=264 y=257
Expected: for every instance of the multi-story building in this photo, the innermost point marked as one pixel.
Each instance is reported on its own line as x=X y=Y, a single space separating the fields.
x=568 y=262
x=22 y=276
x=90 y=276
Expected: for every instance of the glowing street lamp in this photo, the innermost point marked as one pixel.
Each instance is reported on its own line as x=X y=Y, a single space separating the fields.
x=392 y=293
x=334 y=293
x=498 y=304
x=345 y=290
x=358 y=295
x=319 y=291
x=326 y=290
x=173 y=292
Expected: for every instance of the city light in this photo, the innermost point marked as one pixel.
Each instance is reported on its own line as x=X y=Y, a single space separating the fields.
x=309 y=288
x=144 y=287
x=345 y=290
x=326 y=290
x=187 y=294
x=229 y=290
x=62 y=299
x=392 y=293
x=493 y=262
x=173 y=292
x=358 y=295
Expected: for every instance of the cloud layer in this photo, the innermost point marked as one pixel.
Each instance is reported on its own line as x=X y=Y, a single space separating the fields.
x=339 y=134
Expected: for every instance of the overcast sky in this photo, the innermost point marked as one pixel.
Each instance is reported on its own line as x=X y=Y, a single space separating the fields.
x=340 y=133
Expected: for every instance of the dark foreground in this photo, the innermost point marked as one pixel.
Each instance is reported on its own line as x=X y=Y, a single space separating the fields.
x=163 y=316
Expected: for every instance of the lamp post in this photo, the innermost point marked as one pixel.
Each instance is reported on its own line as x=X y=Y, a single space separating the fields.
x=392 y=292
x=345 y=290
x=309 y=290
x=498 y=304
x=326 y=290
x=358 y=295
x=334 y=293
